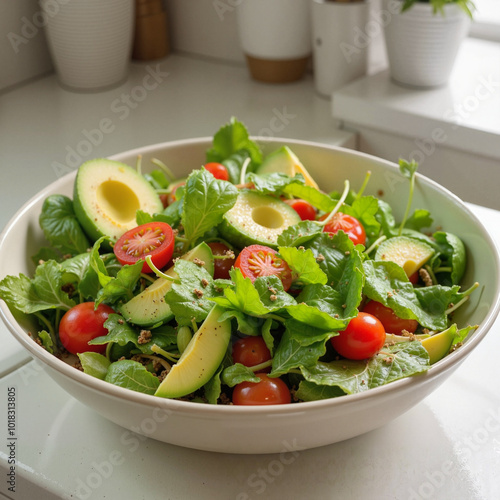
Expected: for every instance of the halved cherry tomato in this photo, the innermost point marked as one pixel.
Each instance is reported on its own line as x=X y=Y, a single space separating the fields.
x=392 y=323
x=269 y=391
x=305 y=210
x=218 y=170
x=255 y=261
x=154 y=238
x=363 y=337
x=350 y=225
x=81 y=324
x=251 y=351
x=221 y=265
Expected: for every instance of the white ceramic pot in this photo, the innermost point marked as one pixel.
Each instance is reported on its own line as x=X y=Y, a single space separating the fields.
x=90 y=41
x=422 y=46
x=340 y=43
x=275 y=37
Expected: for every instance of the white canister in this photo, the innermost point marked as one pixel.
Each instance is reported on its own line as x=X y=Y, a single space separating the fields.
x=275 y=37
x=422 y=45
x=340 y=43
x=90 y=41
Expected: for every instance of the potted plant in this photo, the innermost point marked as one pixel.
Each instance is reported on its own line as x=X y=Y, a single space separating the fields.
x=423 y=37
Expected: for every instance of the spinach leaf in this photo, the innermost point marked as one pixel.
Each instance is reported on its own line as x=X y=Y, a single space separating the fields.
x=237 y=373
x=273 y=183
x=61 y=227
x=316 y=198
x=309 y=391
x=395 y=362
x=303 y=264
x=132 y=375
x=206 y=200
x=453 y=251
x=299 y=234
x=94 y=364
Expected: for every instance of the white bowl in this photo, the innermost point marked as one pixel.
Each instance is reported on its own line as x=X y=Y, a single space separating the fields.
x=274 y=429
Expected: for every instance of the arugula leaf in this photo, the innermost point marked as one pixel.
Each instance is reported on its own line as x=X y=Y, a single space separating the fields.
x=395 y=362
x=132 y=375
x=41 y=293
x=304 y=265
x=206 y=200
x=121 y=287
x=47 y=341
x=60 y=225
x=231 y=138
x=119 y=332
x=189 y=299
x=316 y=198
x=237 y=373
x=291 y=354
x=273 y=183
x=94 y=364
x=299 y=234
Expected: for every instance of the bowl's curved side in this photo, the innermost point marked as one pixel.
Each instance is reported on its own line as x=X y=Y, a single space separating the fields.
x=225 y=429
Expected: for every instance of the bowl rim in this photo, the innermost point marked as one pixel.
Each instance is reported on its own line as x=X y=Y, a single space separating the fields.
x=189 y=408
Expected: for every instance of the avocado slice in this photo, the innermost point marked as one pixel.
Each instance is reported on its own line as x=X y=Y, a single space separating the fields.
x=284 y=160
x=439 y=345
x=411 y=254
x=200 y=360
x=257 y=219
x=107 y=195
x=149 y=307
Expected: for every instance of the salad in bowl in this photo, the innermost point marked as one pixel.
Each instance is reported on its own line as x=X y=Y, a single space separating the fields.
x=249 y=281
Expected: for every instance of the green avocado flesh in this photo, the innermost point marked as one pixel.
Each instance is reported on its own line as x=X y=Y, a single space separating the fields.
x=149 y=307
x=439 y=345
x=107 y=195
x=411 y=254
x=257 y=219
x=200 y=360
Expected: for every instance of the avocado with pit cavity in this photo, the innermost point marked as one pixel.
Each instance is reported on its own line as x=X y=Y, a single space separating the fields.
x=411 y=254
x=285 y=161
x=201 y=358
x=107 y=195
x=257 y=219
x=149 y=307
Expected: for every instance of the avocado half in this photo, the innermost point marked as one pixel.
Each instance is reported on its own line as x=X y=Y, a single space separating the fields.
x=257 y=219
x=107 y=195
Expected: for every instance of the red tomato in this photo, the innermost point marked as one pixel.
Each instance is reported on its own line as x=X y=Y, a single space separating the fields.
x=269 y=391
x=305 y=210
x=258 y=260
x=363 y=337
x=154 y=238
x=81 y=324
x=414 y=278
x=251 y=351
x=350 y=225
x=218 y=170
x=221 y=266
x=392 y=323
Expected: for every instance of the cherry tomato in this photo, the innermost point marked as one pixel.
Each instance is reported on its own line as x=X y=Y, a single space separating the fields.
x=251 y=351
x=169 y=198
x=221 y=266
x=392 y=323
x=258 y=260
x=218 y=170
x=350 y=225
x=154 y=238
x=81 y=324
x=269 y=391
x=414 y=278
x=363 y=337
x=305 y=210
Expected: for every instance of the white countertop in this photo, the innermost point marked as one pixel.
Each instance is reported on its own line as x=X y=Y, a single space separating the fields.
x=447 y=447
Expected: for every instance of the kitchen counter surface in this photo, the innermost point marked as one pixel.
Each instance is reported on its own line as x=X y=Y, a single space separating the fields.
x=447 y=447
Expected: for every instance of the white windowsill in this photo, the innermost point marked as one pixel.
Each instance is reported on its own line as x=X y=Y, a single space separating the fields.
x=464 y=115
